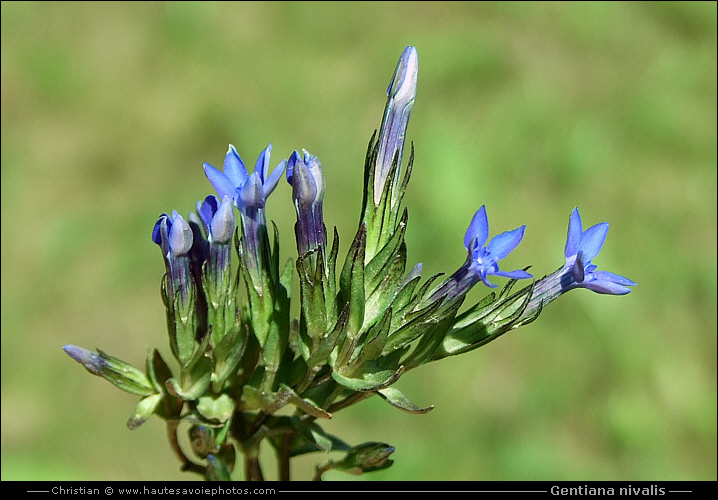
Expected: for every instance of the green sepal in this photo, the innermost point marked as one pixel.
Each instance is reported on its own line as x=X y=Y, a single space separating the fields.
x=306 y=437
x=373 y=377
x=414 y=324
x=314 y=437
x=381 y=218
x=227 y=355
x=369 y=174
x=352 y=283
x=382 y=297
x=195 y=376
x=415 y=302
x=144 y=409
x=123 y=375
x=405 y=179
x=186 y=324
x=480 y=325
x=170 y=315
x=375 y=340
x=274 y=401
x=397 y=399
x=314 y=295
x=433 y=336
x=405 y=291
x=321 y=354
x=221 y=305
x=383 y=262
x=366 y=457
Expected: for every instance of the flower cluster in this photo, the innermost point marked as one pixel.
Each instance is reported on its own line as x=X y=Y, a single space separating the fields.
x=240 y=355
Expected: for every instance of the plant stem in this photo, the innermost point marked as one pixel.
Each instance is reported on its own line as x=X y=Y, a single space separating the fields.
x=252 y=469
x=284 y=457
x=187 y=464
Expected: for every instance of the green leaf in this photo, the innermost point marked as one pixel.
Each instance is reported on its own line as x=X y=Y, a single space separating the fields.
x=218 y=408
x=145 y=408
x=274 y=401
x=157 y=370
x=375 y=378
x=194 y=379
x=395 y=398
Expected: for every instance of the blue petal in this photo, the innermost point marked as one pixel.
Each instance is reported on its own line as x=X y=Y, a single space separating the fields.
x=220 y=182
x=483 y=276
x=502 y=245
x=271 y=182
x=403 y=82
x=90 y=360
x=616 y=278
x=575 y=232
x=519 y=274
x=478 y=229
x=293 y=160
x=180 y=236
x=250 y=195
x=157 y=230
x=222 y=225
x=207 y=209
x=262 y=166
x=305 y=189
x=592 y=240
x=234 y=168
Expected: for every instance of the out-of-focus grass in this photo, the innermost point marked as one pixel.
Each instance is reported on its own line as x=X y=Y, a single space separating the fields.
x=109 y=110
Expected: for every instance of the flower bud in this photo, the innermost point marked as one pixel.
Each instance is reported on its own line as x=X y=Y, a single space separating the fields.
x=123 y=375
x=308 y=184
x=392 y=135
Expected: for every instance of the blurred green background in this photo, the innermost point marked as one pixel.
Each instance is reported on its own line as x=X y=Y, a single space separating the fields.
x=109 y=110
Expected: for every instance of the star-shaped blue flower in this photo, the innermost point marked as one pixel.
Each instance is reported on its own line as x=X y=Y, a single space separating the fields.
x=483 y=260
x=246 y=191
x=581 y=247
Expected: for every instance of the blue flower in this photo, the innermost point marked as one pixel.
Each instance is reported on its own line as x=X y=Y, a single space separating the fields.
x=246 y=191
x=249 y=193
x=305 y=176
x=578 y=271
x=581 y=247
x=482 y=261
